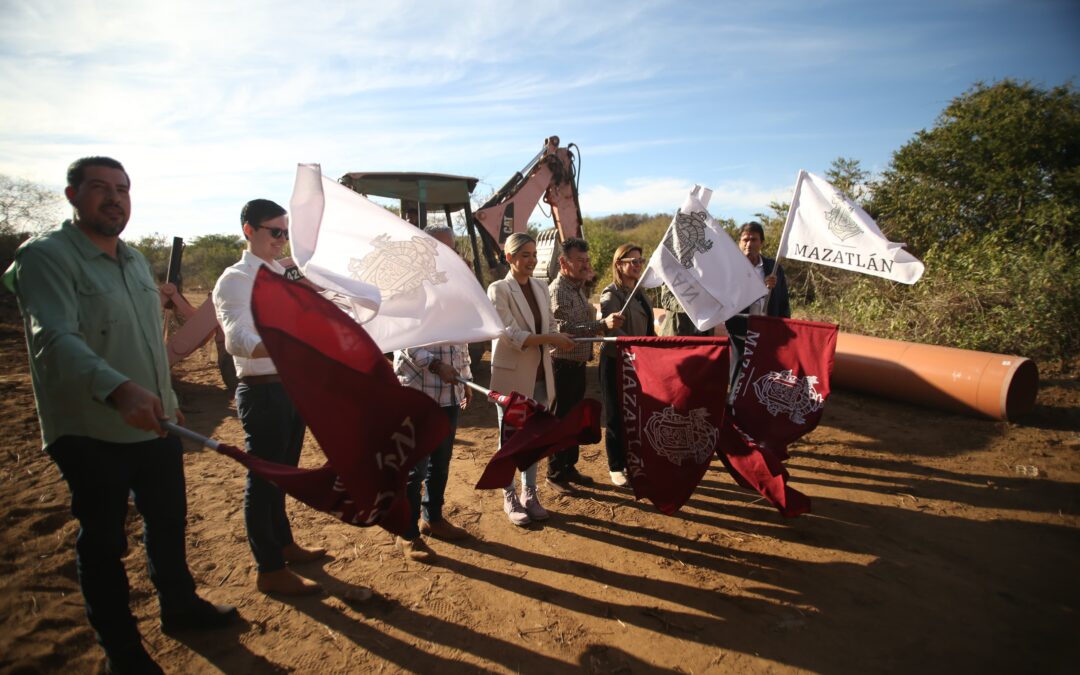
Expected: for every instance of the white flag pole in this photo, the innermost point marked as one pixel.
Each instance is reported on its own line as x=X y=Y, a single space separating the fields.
x=190 y=435
x=782 y=246
x=631 y=296
x=472 y=385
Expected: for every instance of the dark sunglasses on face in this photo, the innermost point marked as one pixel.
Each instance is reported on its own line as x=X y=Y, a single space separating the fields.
x=275 y=232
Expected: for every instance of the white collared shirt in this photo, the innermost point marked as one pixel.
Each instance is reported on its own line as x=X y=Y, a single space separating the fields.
x=232 y=303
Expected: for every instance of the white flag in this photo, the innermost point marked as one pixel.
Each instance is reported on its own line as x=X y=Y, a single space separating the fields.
x=712 y=279
x=377 y=265
x=825 y=227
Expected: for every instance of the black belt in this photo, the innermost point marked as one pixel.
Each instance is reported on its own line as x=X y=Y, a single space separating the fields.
x=260 y=379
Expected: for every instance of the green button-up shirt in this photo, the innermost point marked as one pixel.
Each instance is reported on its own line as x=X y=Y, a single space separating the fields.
x=92 y=323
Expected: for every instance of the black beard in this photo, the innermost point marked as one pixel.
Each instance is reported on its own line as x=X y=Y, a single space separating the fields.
x=102 y=224
x=104 y=229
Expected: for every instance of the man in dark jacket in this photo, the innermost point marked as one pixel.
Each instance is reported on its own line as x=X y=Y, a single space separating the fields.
x=751 y=239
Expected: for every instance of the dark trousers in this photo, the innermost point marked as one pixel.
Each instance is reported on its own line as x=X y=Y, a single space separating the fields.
x=569 y=391
x=613 y=437
x=273 y=431
x=101 y=475
x=431 y=474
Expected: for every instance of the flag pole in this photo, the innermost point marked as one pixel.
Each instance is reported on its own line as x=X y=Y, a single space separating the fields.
x=472 y=385
x=190 y=435
x=782 y=246
x=645 y=272
x=639 y=280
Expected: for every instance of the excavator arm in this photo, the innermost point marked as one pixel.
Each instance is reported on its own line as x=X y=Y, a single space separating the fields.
x=550 y=175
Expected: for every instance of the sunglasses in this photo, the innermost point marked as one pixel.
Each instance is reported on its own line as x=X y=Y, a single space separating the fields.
x=275 y=232
x=632 y=261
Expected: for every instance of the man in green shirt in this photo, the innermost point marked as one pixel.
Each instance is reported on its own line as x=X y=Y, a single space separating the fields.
x=101 y=382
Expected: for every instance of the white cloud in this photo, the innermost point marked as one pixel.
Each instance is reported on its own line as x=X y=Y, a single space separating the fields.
x=732 y=199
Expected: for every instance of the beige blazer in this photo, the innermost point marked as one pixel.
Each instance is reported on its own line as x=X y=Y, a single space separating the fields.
x=513 y=367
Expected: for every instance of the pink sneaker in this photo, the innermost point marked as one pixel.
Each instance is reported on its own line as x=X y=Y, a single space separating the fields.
x=514 y=509
x=532 y=504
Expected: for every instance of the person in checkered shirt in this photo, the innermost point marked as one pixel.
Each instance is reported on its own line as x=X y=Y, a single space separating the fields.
x=434 y=371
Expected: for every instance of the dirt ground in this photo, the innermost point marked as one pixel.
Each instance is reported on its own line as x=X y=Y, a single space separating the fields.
x=932 y=547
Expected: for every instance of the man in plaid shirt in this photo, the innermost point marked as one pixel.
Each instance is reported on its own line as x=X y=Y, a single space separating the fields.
x=574 y=314
x=434 y=371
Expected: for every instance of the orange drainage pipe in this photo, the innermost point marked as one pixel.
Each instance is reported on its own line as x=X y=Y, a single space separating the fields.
x=995 y=385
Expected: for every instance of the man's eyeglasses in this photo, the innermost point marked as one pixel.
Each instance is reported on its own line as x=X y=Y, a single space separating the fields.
x=633 y=261
x=275 y=232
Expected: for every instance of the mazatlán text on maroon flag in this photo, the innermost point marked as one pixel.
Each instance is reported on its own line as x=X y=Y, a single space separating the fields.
x=672 y=393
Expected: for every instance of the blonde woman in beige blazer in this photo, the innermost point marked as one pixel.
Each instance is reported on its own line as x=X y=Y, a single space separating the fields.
x=520 y=359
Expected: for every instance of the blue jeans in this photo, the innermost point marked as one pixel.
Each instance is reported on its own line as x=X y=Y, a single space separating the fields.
x=101 y=475
x=528 y=476
x=274 y=431
x=431 y=474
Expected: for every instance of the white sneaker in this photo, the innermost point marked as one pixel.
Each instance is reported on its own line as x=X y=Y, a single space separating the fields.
x=532 y=504
x=618 y=477
x=514 y=510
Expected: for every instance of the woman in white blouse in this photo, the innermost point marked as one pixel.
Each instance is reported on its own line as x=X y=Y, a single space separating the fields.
x=520 y=360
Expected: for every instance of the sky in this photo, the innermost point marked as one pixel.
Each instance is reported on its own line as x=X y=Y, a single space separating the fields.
x=210 y=104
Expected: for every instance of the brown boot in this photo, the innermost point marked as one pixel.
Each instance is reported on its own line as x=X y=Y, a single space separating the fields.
x=286 y=582
x=444 y=529
x=293 y=553
x=417 y=550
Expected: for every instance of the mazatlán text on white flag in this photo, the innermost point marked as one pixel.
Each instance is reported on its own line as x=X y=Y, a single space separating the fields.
x=702 y=266
x=407 y=288
x=825 y=227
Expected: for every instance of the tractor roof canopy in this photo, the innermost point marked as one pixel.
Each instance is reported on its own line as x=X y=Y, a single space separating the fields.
x=437 y=191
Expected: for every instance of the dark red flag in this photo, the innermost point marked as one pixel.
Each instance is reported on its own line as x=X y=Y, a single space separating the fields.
x=780 y=392
x=372 y=429
x=759 y=469
x=530 y=433
x=318 y=488
x=672 y=394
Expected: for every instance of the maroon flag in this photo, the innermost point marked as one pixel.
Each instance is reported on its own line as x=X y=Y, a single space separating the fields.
x=530 y=433
x=759 y=469
x=318 y=488
x=780 y=392
x=672 y=394
x=372 y=429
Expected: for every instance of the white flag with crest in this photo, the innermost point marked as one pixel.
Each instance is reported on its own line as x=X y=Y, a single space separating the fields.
x=825 y=227
x=407 y=288
x=703 y=267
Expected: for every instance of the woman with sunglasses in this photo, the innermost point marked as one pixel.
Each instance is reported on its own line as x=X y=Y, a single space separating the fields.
x=627 y=266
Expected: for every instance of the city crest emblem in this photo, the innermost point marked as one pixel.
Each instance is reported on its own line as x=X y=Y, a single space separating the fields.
x=682 y=438
x=783 y=392
x=840 y=221
x=398 y=267
x=687 y=237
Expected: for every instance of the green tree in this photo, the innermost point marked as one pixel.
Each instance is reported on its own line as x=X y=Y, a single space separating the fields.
x=206 y=257
x=847 y=175
x=156 y=250
x=772 y=223
x=989 y=199
x=1003 y=160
